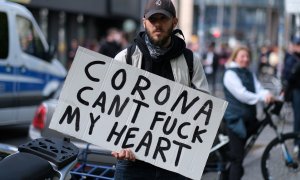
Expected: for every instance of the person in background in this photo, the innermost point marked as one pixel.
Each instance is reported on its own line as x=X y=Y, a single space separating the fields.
x=224 y=56
x=124 y=40
x=72 y=52
x=242 y=91
x=112 y=43
x=291 y=76
x=158 y=50
x=263 y=60
x=193 y=44
x=274 y=60
x=210 y=63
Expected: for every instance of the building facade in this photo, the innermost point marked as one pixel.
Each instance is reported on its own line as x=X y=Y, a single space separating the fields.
x=249 y=22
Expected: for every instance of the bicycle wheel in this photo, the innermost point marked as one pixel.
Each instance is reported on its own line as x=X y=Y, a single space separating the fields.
x=276 y=163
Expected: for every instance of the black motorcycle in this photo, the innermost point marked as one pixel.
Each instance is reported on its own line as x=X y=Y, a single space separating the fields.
x=44 y=158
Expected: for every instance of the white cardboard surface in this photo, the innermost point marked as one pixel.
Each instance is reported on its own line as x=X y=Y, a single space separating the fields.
x=173 y=130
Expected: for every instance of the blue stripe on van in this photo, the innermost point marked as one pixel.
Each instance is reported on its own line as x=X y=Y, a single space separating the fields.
x=33 y=81
x=5 y=86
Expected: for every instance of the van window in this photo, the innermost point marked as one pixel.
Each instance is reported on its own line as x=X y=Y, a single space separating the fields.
x=3 y=36
x=29 y=38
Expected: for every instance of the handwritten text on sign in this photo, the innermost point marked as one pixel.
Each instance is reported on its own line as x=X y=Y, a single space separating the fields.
x=117 y=106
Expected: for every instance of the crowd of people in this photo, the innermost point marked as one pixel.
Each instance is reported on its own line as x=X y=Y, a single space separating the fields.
x=268 y=60
x=110 y=44
x=157 y=46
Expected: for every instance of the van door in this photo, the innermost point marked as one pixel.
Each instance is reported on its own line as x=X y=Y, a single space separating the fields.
x=31 y=68
x=7 y=73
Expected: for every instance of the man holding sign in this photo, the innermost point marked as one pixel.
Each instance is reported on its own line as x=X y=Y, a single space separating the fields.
x=147 y=114
x=158 y=50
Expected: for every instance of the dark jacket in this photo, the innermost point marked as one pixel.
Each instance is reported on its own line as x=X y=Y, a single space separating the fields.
x=110 y=49
x=290 y=75
x=215 y=62
x=238 y=112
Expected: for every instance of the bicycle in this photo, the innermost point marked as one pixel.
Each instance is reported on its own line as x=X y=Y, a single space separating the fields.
x=279 y=161
x=283 y=143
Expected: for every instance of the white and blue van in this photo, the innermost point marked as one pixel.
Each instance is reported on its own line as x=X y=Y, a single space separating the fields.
x=28 y=71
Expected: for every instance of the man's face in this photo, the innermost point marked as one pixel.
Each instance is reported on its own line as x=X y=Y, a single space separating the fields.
x=159 y=29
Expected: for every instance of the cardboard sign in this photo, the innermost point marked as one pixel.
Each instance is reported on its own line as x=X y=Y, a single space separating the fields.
x=116 y=106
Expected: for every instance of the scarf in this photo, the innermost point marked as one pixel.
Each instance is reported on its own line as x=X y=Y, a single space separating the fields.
x=154 y=55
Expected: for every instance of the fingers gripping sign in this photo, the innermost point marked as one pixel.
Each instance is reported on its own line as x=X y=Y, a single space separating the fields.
x=124 y=154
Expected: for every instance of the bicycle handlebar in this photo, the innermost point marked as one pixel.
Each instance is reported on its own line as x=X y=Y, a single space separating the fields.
x=278 y=103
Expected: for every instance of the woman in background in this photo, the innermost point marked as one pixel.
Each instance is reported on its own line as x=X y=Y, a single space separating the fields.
x=242 y=91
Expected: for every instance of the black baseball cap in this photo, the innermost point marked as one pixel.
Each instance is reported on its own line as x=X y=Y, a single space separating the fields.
x=296 y=40
x=165 y=7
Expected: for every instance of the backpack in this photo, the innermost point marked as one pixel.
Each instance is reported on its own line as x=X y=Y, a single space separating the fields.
x=188 y=56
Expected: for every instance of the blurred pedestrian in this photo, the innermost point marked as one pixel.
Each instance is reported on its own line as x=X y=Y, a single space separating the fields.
x=211 y=63
x=124 y=40
x=193 y=44
x=242 y=91
x=263 y=60
x=291 y=74
x=274 y=59
x=158 y=50
x=224 y=55
x=112 y=43
x=72 y=52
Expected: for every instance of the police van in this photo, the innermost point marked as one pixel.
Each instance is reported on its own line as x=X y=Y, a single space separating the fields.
x=28 y=71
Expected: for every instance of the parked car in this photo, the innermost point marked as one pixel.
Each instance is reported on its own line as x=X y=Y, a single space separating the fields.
x=40 y=128
x=29 y=73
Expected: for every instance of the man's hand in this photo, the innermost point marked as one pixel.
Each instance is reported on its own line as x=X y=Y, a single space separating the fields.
x=124 y=154
x=269 y=98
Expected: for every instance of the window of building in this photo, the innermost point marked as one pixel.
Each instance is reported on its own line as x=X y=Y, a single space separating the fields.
x=4 y=43
x=29 y=38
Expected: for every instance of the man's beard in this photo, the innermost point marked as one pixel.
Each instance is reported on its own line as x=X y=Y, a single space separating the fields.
x=162 y=42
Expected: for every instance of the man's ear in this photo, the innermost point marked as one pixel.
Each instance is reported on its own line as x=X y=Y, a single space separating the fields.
x=144 y=22
x=175 y=22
